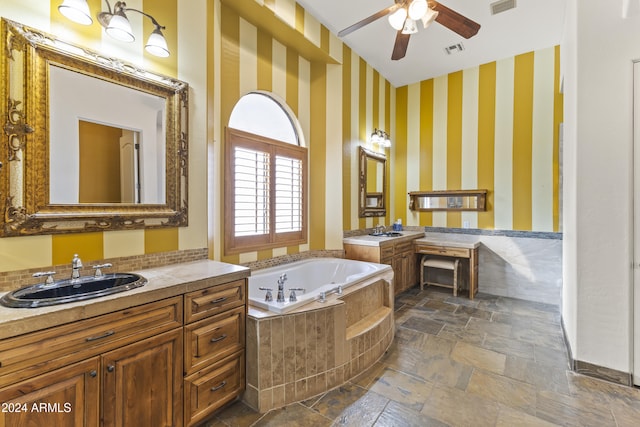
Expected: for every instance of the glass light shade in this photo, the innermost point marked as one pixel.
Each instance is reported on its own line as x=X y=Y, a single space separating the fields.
x=375 y=137
x=386 y=143
x=157 y=45
x=429 y=17
x=119 y=28
x=410 y=27
x=397 y=18
x=417 y=9
x=77 y=11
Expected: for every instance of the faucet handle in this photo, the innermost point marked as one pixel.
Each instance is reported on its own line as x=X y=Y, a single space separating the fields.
x=292 y=296
x=49 y=274
x=98 y=268
x=268 y=297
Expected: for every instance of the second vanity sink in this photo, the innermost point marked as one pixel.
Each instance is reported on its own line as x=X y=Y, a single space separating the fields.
x=387 y=234
x=71 y=290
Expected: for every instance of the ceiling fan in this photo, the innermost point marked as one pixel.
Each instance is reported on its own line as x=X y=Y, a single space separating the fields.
x=404 y=14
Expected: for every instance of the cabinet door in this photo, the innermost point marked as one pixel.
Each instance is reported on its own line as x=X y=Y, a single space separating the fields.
x=67 y=397
x=142 y=383
x=398 y=263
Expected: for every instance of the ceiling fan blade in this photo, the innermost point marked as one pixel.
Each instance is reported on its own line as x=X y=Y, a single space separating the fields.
x=454 y=21
x=370 y=19
x=400 y=46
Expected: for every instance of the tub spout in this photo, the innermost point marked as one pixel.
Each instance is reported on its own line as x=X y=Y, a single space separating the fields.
x=323 y=295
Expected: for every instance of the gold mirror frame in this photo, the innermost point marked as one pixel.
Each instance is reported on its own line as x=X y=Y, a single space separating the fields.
x=24 y=154
x=378 y=207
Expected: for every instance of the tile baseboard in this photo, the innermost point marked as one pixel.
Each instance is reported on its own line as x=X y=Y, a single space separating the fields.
x=592 y=370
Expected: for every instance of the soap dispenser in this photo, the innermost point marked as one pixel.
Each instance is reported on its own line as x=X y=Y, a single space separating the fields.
x=397 y=226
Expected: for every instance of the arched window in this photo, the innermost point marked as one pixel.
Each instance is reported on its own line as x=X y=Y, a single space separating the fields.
x=265 y=186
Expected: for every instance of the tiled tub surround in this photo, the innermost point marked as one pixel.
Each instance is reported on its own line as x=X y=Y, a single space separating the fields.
x=319 y=346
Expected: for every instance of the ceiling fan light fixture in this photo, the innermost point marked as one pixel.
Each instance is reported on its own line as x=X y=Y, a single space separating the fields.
x=417 y=9
x=410 y=27
x=429 y=17
x=397 y=18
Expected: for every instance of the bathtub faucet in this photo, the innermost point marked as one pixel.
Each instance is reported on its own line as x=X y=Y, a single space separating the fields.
x=281 y=280
x=323 y=295
x=268 y=297
x=292 y=295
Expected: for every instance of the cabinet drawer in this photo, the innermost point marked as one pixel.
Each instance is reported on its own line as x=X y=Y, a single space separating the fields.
x=38 y=352
x=206 y=391
x=403 y=247
x=443 y=250
x=386 y=252
x=213 y=338
x=213 y=300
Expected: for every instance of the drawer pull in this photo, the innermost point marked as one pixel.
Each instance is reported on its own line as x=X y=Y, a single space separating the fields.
x=216 y=388
x=111 y=368
x=99 y=337
x=93 y=374
x=215 y=301
x=220 y=338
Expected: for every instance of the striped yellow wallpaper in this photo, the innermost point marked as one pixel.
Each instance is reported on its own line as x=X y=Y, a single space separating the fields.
x=36 y=251
x=494 y=126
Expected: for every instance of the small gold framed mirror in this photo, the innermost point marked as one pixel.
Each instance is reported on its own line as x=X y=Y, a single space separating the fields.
x=372 y=183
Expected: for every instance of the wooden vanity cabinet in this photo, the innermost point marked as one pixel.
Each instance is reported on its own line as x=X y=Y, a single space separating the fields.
x=66 y=397
x=167 y=363
x=142 y=383
x=399 y=254
x=214 y=361
x=119 y=369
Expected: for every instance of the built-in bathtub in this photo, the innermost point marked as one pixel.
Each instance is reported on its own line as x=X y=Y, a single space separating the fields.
x=313 y=276
x=295 y=352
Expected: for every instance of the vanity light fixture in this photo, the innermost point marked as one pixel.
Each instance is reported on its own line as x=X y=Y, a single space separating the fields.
x=381 y=137
x=116 y=23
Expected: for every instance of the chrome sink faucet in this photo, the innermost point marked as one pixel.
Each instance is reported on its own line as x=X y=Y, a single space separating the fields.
x=76 y=265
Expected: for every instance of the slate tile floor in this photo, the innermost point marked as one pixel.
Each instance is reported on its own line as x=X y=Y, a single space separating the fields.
x=493 y=361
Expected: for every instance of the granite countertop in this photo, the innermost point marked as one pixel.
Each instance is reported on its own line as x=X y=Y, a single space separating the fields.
x=163 y=282
x=468 y=241
x=367 y=240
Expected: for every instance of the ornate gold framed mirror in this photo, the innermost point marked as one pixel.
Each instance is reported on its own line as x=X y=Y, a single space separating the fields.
x=373 y=183
x=91 y=143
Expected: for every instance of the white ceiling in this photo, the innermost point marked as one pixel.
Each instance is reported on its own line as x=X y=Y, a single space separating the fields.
x=532 y=25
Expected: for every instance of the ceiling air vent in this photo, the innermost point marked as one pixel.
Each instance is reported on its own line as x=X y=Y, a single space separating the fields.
x=454 y=48
x=502 y=6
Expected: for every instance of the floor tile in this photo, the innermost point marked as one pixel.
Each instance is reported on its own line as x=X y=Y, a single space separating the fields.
x=402 y=388
x=423 y=325
x=479 y=357
x=295 y=415
x=504 y=390
x=494 y=361
x=397 y=415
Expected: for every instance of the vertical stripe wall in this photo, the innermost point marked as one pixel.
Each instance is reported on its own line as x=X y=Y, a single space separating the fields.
x=494 y=127
x=186 y=61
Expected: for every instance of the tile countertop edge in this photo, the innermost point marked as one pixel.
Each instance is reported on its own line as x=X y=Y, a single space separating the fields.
x=163 y=282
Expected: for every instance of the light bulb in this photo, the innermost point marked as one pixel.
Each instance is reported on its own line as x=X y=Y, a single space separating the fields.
x=417 y=9
x=77 y=11
x=397 y=18
x=157 y=44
